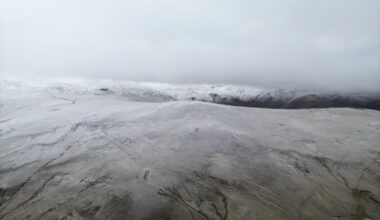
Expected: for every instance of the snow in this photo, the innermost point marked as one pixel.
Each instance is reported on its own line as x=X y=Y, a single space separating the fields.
x=110 y=156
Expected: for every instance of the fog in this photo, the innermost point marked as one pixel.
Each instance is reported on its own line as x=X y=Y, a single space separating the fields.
x=324 y=44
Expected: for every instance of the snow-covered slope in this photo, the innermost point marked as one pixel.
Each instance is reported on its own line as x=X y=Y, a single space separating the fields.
x=67 y=153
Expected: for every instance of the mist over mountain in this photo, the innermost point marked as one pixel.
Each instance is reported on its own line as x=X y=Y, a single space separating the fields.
x=320 y=45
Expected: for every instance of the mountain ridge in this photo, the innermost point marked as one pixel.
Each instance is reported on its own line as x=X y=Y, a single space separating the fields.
x=247 y=96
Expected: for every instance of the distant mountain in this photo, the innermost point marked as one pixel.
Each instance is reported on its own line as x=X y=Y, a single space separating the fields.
x=221 y=94
x=292 y=100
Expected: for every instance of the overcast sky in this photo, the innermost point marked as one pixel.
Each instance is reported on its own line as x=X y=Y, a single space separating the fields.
x=303 y=43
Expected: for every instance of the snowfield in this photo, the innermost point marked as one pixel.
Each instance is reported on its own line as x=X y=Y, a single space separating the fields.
x=81 y=150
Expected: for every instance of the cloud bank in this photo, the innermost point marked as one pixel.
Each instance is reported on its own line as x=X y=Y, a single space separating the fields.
x=325 y=44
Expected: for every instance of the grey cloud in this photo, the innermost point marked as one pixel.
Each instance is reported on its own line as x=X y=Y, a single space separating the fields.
x=325 y=44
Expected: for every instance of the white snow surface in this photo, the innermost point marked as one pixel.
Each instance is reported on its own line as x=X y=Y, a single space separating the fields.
x=71 y=151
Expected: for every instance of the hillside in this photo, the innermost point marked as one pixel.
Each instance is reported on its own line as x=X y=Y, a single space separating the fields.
x=73 y=154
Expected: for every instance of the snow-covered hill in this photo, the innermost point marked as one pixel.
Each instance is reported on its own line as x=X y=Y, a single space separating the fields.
x=87 y=151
